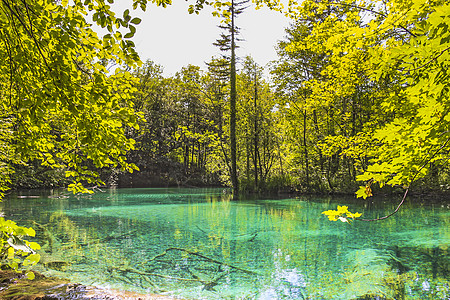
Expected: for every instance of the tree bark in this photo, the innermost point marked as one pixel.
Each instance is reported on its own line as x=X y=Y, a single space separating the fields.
x=255 y=161
x=233 y=146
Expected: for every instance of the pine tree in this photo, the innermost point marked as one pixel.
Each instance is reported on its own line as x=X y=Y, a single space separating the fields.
x=227 y=43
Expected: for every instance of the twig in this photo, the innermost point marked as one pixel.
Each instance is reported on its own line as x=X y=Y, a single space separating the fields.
x=409 y=186
x=392 y=213
x=430 y=61
x=372 y=11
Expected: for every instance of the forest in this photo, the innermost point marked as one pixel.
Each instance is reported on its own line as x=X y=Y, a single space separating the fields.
x=343 y=106
x=358 y=100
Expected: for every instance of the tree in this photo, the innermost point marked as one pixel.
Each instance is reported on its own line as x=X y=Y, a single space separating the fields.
x=293 y=75
x=406 y=43
x=155 y=136
x=59 y=105
x=227 y=42
x=54 y=75
x=178 y=142
x=258 y=129
x=216 y=91
x=251 y=70
x=324 y=116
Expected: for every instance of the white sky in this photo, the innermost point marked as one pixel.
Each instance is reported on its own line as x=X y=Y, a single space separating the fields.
x=173 y=38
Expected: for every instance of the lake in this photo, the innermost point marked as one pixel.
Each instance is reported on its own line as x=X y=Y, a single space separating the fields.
x=198 y=244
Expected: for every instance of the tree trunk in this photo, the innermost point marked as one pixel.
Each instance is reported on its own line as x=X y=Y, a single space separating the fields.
x=305 y=149
x=234 y=178
x=255 y=161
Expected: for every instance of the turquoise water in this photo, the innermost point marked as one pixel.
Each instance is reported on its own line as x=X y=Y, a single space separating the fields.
x=198 y=244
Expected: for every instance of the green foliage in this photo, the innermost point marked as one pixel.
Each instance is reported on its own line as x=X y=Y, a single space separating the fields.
x=381 y=78
x=419 y=135
x=14 y=250
x=185 y=137
x=327 y=125
x=258 y=132
x=31 y=175
x=407 y=44
x=179 y=138
x=64 y=108
x=59 y=104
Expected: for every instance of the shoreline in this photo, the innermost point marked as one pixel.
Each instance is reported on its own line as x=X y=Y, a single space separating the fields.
x=14 y=285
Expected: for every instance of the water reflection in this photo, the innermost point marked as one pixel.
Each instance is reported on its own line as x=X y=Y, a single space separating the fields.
x=285 y=282
x=202 y=245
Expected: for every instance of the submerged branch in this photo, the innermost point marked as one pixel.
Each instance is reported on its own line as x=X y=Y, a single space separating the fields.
x=207 y=259
x=207 y=284
x=131 y=270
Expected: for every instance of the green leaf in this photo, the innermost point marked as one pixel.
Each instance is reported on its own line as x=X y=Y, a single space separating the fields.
x=34 y=246
x=129 y=35
x=30 y=275
x=31 y=259
x=136 y=21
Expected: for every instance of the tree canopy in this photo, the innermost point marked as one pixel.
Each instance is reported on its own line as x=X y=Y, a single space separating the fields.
x=59 y=103
x=58 y=99
x=399 y=48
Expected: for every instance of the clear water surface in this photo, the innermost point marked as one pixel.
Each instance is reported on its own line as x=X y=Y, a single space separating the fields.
x=198 y=244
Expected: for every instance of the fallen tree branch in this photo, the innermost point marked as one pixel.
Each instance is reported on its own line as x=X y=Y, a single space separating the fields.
x=205 y=258
x=131 y=270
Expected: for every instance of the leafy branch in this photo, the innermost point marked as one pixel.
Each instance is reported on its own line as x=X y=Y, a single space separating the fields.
x=431 y=60
x=409 y=186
